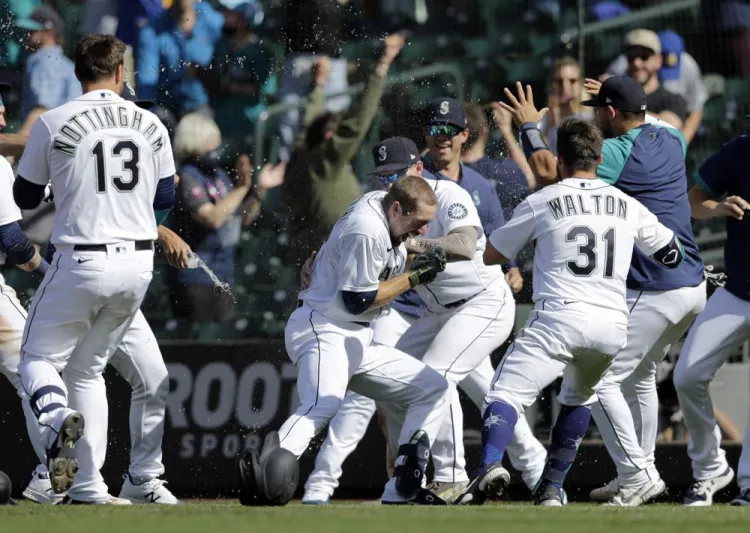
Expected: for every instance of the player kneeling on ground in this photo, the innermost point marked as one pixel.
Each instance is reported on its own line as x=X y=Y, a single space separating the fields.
x=356 y=274
x=584 y=232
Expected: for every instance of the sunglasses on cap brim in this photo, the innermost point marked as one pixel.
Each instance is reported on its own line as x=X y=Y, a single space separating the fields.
x=449 y=130
x=386 y=178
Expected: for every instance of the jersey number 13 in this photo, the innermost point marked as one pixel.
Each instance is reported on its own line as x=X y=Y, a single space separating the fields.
x=120 y=150
x=588 y=259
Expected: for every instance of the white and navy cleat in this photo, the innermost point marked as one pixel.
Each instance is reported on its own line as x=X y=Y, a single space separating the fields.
x=315 y=497
x=149 y=491
x=39 y=489
x=635 y=496
x=701 y=493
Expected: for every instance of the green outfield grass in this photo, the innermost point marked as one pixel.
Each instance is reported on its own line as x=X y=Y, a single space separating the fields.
x=354 y=518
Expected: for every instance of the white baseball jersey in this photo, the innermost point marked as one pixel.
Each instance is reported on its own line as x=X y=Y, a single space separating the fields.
x=460 y=279
x=9 y=211
x=357 y=256
x=103 y=157
x=584 y=231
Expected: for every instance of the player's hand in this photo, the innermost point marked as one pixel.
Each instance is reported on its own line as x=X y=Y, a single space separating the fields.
x=593 y=86
x=427 y=266
x=176 y=250
x=392 y=46
x=522 y=107
x=176 y=180
x=514 y=280
x=243 y=171
x=503 y=118
x=320 y=70
x=733 y=206
x=305 y=274
x=271 y=176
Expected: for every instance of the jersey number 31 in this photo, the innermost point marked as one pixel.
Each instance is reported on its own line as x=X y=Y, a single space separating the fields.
x=131 y=165
x=588 y=260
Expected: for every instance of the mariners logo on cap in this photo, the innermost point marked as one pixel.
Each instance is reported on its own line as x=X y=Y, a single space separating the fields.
x=457 y=211
x=445 y=108
x=383 y=153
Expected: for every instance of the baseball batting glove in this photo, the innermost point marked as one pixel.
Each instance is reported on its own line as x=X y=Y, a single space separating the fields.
x=427 y=266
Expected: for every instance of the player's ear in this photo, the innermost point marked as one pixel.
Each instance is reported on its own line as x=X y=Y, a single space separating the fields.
x=119 y=73
x=612 y=112
x=464 y=135
x=599 y=159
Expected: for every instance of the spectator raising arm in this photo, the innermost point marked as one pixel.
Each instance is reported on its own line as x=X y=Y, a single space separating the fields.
x=504 y=121
x=348 y=136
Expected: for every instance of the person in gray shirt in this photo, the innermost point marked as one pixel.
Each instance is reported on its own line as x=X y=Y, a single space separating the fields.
x=679 y=74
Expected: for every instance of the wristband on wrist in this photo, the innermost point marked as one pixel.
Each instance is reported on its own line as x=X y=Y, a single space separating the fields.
x=413 y=278
x=532 y=139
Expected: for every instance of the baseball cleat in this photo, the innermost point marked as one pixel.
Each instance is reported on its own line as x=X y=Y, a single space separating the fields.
x=151 y=491
x=447 y=491
x=39 y=489
x=549 y=495
x=605 y=493
x=491 y=480
x=315 y=497
x=742 y=499
x=61 y=462
x=635 y=496
x=411 y=464
x=67 y=500
x=426 y=497
x=701 y=493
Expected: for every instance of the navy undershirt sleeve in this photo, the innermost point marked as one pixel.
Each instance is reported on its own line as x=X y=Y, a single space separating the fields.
x=358 y=302
x=27 y=195
x=164 y=198
x=15 y=245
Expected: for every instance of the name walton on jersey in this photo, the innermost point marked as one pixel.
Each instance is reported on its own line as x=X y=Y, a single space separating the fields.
x=598 y=204
x=75 y=129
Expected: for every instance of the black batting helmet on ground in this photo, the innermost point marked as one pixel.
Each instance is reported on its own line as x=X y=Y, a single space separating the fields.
x=268 y=477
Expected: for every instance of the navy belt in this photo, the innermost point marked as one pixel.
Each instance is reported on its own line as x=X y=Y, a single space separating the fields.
x=457 y=304
x=300 y=303
x=139 y=247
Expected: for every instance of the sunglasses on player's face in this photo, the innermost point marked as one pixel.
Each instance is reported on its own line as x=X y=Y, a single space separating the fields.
x=638 y=53
x=449 y=130
x=386 y=178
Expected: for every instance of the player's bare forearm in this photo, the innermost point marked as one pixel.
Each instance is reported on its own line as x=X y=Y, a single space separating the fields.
x=390 y=290
x=691 y=125
x=176 y=250
x=12 y=144
x=702 y=207
x=516 y=155
x=543 y=167
x=493 y=257
x=30 y=119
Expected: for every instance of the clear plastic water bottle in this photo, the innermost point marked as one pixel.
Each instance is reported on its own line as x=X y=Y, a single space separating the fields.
x=193 y=261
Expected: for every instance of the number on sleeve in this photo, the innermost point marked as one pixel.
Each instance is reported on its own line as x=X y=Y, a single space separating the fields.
x=587 y=239
x=131 y=165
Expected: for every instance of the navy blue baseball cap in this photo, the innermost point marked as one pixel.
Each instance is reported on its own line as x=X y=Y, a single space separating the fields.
x=672 y=47
x=394 y=154
x=446 y=111
x=621 y=92
x=128 y=93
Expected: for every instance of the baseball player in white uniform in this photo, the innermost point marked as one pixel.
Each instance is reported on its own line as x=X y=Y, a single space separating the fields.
x=432 y=339
x=356 y=274
x=584 y=231
x=111 y=169
x=720 y=328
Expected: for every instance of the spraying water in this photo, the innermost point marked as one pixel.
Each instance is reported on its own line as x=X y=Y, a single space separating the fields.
x=194 y=262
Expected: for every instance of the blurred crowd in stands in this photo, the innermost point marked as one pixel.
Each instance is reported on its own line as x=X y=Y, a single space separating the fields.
x=212 y=68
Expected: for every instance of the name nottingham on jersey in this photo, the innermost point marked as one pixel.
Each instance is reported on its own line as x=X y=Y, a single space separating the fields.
x=568 y=205
x=76 y=128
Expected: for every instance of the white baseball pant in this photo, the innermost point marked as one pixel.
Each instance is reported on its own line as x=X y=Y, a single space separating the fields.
x=139 y=361
x=575 y=339
x=12 y=322
x=332 y=356
x=719 y=329
x=627 y=413
x=77 y=319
